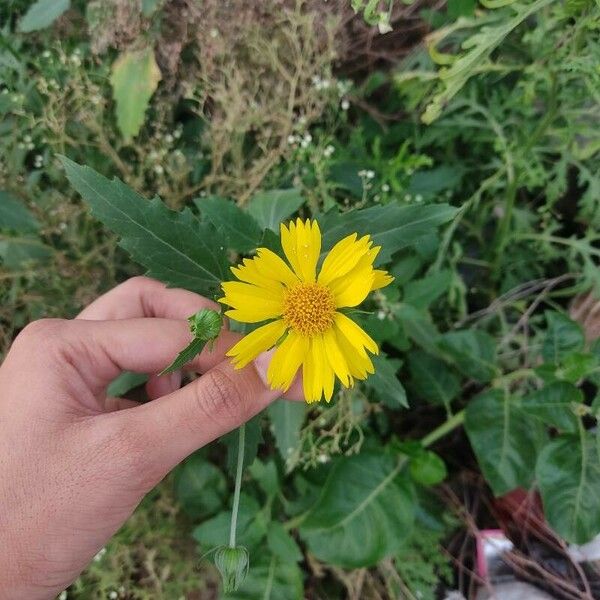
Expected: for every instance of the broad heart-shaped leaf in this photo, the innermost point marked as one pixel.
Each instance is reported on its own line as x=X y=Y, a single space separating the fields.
x=269 y=578
x=287 y=419
x=385 y=383
x=391 y=226
x=363 y=513
x=553 y=405
x=563 y=337
x=200 y=487
x=432 y=379
x=568 y=475
x=14 y=216
x=174 y=247
x=239 y=229
x=505 y=440
x=43 y=13
x=275 y=206
x=134 y=78
x=473 y=351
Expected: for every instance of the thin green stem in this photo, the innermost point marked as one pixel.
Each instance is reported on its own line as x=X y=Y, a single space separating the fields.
x=445 y=428
x=238 y=483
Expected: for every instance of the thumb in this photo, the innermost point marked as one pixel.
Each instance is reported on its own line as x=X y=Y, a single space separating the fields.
x=173 y=426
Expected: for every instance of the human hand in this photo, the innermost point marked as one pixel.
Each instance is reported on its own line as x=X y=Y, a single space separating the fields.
x=75 y=463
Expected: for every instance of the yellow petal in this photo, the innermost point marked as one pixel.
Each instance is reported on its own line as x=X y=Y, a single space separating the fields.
x=343 y=257
x=251 y=345
x=252 y=303
x=381 y=279
x=310 y=375
x=335 y=357
x=271 y=265
x=359 y=363
x=250 y=273
x=354 y=334
x=302 y=246
x=326 y=378
x=286 y=361
x=351 y=289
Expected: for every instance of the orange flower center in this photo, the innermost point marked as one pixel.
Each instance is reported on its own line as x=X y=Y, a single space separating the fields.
x=309 y=308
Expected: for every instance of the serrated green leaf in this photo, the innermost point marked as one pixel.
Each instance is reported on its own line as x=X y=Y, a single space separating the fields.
x=14 y=216
x=568 y=475
x=275 y=206
x=392 y=227
x=364 y=512
x=174 y=247
x=432 y=379
x=385 y=383
x=506 y=440
x=239 y=229
x=185 y=356
x=419 y=327
x=553 y=405
x=200 y=487
x=287 y=418
x=563 y=337
x=473 y=351
x=43 y=13
x=134 y=78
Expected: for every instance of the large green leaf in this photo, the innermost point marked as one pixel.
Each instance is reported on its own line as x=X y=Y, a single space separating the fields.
x=43 y=13
x=563 y=337
x=270 y=578
x=505 y=440
x=134 y=78
x=432 y=379
x=14 y=216
x=473 y=351
x=174 y=247
x=363 y=513
x=568 y=475
x=392 y=227
x=419 y=327
x=422 y=292
x=200 y=487
x=385 y=383
x=553 y=405
x=272 y=207
x=287 y=419
x=239 y=229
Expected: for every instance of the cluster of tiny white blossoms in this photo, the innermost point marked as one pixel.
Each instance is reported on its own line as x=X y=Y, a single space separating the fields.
x=165 y=143
x=366 y=174
x=27 y=143
x=38 y=161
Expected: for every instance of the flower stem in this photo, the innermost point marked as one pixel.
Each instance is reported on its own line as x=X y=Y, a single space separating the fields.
x=445 y=428
x=238 y=483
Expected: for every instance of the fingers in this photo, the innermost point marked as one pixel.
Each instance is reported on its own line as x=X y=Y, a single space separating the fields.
x=172 y=427
x=101 y=350
x=145 y=297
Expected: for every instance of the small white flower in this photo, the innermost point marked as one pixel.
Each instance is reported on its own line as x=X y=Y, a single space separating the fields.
x=304 y=143
x=46 y=54
x=38 y=161
x=75 y=59
x=62 y=226
x=323 y=458
x=418 y=198
x=381 y=315
x=158 y=169
x=385 y=188
x=27 y=139
x=177 y=133
x=291 y=139
x=345 y=104
x=169 y=138
x=96 y=99
x=370 y=174
x=113 y=595
x=384 y=25
x=30 y=146
x=214 y=33
x=362 y=173
x=329 y=150
x=308 y=138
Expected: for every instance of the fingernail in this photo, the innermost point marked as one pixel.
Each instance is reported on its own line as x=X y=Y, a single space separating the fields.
x=261 y=363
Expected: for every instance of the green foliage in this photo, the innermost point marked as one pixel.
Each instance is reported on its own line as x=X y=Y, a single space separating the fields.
x=385 y=384
x=286 y=420
x=274 y=206
x=185 y=254
x=563 y=337
x=473 y=352
x=363 y=513
x=135 y=76
x=43 y=13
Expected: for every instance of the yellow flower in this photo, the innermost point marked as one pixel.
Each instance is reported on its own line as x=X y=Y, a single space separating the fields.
x=306 y=324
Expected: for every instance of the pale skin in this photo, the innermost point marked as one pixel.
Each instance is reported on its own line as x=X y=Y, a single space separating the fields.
x=75 y=463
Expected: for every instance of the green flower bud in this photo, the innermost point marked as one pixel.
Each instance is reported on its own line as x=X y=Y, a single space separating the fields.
x=206 y=324
x=232 y=564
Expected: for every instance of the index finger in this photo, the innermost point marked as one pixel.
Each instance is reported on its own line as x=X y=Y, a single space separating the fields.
x=145 y=297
